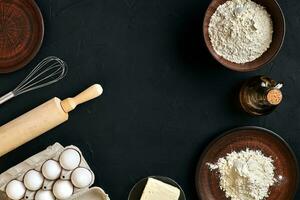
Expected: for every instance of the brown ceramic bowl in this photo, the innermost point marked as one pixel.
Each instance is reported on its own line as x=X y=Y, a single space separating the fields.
x=285 y=162
x=21 y=33
x=276 y=13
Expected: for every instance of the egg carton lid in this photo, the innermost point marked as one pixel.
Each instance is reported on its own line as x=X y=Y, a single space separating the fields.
x=94 y=193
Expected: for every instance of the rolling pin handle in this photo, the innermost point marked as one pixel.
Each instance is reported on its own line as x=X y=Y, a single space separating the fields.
x=92 y=92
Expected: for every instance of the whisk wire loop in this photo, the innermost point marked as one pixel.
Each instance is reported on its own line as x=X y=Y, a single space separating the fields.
x=47 y=72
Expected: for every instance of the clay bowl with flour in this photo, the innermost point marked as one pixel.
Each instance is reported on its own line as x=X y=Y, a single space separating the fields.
x=254 y=138
x=279 y=28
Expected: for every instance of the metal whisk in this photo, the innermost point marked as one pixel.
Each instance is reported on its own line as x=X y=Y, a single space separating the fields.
x=47 y=72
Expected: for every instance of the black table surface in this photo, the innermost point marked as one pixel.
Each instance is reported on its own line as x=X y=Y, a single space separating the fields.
x=164 y=98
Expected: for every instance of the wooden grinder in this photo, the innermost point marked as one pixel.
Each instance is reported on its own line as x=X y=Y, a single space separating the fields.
x=41 y=119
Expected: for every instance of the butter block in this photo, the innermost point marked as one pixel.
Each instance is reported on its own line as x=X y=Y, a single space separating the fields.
x=158 y=190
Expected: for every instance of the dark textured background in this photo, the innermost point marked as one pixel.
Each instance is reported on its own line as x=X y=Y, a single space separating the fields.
x=164 y=96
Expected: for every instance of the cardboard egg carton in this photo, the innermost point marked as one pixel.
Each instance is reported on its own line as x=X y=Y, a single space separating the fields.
x=35 y=162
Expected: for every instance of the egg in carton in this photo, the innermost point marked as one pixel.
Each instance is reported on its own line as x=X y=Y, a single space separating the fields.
x=56 y=173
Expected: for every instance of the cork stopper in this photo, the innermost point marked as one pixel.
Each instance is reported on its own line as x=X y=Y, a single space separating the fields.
x=274 y=96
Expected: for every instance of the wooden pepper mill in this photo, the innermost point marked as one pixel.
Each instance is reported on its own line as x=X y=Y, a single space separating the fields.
x=260 y=95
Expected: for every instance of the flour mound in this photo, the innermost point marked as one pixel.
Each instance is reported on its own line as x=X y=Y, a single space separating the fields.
x=245 y=175
x=240 y=30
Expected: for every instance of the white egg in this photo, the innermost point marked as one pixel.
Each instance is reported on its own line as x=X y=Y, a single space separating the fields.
x=51 y=170
x=33 y=180
x=15 y=190
x=44 y=195
x=63 y=189
x=69 y=159
x=81 y=177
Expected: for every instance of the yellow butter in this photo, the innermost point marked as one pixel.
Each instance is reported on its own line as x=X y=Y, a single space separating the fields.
x=157 y=190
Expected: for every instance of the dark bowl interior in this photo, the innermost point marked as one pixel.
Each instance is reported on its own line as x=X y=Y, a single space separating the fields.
x=22 y=32
x=276 y=13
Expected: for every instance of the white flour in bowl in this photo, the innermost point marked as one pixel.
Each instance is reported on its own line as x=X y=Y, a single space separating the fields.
x=245 y=175
x=240 y=30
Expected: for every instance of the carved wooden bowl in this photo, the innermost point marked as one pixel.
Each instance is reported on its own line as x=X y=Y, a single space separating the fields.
x=21 y=33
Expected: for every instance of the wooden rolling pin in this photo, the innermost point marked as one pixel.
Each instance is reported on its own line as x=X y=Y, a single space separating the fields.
x=41 y=119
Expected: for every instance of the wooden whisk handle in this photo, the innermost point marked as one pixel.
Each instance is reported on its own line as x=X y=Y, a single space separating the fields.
x=90 y=93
